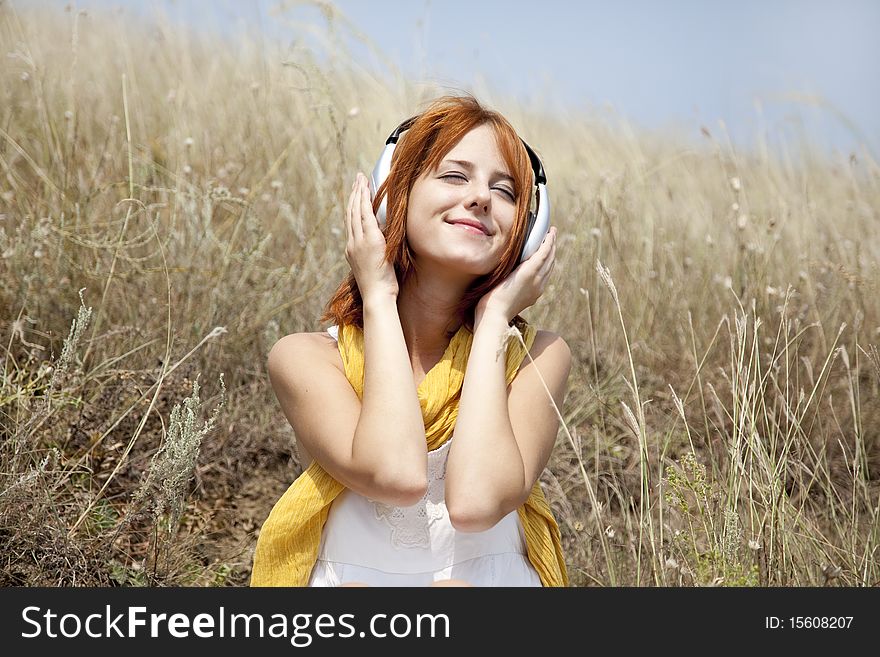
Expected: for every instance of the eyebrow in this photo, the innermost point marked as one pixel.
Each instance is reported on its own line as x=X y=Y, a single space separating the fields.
x=468 y=165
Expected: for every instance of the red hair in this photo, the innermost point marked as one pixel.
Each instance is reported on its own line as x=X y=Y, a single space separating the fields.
x=421 y=148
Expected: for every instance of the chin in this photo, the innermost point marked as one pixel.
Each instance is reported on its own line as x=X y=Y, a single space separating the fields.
x=459 y=258
x=470 y=266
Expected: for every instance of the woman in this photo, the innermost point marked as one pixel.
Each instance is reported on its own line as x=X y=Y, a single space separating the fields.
x=423 y=423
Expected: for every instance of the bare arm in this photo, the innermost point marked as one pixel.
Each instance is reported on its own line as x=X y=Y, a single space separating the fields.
x=503 y=437
x=390 y=435
x=375 y=446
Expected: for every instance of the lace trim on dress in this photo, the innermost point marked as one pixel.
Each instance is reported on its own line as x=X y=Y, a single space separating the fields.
x=410 y=525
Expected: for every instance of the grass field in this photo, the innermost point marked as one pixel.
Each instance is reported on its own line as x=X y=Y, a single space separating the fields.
x=170 y=206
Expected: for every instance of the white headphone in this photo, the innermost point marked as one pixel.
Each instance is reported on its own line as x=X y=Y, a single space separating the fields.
x=538 y=221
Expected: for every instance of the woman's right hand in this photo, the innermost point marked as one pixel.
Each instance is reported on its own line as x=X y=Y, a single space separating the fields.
x=365 y=250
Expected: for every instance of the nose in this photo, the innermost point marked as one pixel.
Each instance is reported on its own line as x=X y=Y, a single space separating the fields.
x=480 y=196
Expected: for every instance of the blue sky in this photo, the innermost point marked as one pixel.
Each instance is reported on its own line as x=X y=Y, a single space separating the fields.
x=813 y=67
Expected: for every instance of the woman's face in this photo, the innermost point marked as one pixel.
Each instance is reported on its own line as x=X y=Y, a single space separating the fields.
x=472 y=183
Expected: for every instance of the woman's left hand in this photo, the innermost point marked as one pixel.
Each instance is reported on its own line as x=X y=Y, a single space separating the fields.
x=524 y=285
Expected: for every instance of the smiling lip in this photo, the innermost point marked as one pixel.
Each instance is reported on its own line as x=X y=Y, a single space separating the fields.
x=470 y=222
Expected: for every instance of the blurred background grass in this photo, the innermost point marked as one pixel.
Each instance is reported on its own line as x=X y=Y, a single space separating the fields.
x=170 y=206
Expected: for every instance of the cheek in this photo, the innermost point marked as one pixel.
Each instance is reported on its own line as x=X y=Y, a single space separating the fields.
x=430 y=202
x=439 y=198
x=507 y=222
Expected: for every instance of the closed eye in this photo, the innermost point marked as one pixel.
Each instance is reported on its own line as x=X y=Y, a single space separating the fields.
x=455 y=176
x=510 y=195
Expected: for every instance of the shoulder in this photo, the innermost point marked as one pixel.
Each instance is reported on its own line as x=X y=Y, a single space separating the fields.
x=546 y=371
x=548 y=347
x=550 y=340
x=297 y=349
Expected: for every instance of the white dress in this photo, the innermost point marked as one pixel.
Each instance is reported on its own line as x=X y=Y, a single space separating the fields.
x=381 y=545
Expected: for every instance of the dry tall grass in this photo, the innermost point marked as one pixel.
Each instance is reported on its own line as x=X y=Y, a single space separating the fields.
x=170 y=206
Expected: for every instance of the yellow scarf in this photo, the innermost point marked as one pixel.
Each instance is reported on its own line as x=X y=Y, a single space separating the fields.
x=287 y=547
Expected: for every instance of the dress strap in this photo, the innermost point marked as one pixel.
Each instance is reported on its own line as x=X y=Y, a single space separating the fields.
x=334 y=332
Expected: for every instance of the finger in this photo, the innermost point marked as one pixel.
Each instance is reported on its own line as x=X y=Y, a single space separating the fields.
x=544 y=250
x=348 y=212
x=547 y=265
x=550 y=258
x=544 y=278
x=367 y=215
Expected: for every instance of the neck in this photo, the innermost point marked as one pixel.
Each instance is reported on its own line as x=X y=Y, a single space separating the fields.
x=427 y=314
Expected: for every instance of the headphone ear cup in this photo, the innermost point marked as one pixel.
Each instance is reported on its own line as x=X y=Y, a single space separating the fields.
x=530 y=225
x=539 y=223
x=382 y=211
x=380 y=173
